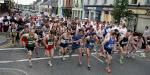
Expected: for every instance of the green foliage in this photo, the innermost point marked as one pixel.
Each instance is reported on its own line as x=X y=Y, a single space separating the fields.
x=120 y=10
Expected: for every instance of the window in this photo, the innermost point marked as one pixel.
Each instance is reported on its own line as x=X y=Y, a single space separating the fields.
x=105 y=1
x=148 y=2
x=88 y=2
x=95 y=2
x=106 y=12
x=134 y=1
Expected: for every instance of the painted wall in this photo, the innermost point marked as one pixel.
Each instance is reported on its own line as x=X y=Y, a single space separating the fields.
x=142 y=2
x=142 y=22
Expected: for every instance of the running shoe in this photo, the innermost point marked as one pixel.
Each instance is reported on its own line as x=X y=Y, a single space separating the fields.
x=89 y=67
x=50 y=64
x=79 y=63
x=30 y=64
x=63 y=58
x=121 y=60
x=109 y=70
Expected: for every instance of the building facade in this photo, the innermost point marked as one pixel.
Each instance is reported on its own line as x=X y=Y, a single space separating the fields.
x=6 y=5
x=98 y=10
x=142 y=10
x=60 y=5
x=77 y=9
x=38 y=7
x=46 y=7
x=67 y=8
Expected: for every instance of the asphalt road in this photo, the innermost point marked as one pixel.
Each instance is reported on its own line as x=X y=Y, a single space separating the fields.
x=13 y=62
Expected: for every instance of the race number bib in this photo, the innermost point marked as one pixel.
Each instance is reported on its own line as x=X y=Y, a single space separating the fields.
x=124 y=42
x=63 y=41
x=13 y=30
x=31 y=42
x=50 y=43
x=110 y=45
x=91 y=44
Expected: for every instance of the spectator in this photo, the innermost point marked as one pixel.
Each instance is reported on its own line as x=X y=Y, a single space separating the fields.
x=6 y=24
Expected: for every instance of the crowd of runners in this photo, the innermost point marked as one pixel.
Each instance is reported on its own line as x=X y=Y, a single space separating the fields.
x=73 y=35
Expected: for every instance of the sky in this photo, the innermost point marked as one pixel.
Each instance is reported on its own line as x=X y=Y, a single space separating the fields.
x=24 y=2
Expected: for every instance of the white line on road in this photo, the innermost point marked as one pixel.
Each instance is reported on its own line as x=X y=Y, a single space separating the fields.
x=35 y=59
x=98 y=58
x=55 y=57
x=13 y=69
x=8 y=49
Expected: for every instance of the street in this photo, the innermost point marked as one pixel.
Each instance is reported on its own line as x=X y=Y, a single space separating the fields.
x=16 y=59
x=31 y=29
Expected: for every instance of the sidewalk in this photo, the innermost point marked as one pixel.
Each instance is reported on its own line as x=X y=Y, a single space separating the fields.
x=3 y=39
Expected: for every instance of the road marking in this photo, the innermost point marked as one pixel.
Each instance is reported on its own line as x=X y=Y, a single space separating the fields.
x=13 y=69
x=55 y=57
x=97 y=58
x=35 y=59
x=8 y=49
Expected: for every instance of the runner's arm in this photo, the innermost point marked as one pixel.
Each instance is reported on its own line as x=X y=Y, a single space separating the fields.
x=44 y=41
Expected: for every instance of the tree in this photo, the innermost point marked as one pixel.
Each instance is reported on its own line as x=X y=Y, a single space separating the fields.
x=120 y=10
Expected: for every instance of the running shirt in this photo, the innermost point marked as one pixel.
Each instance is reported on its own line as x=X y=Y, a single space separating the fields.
x=110 y=43
x=106 y=30
x=75 y=38
x=90 y=43
x=65 y=38
x=50 y=41
x=123 y=31
x=14 y=31
x=124 y=41
x=31 y=42
x=40 y=34
x=64 y=41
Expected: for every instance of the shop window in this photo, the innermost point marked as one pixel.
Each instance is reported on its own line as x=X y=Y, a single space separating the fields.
x=95 y=2
x=134 y=1
x=88 y=2
x=106 y=12
x=105 y=1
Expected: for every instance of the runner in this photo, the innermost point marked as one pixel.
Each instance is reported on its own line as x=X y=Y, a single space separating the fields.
x=108 y=45
x=23 y=40
x=90 y=43
x=64 y=40
x=77 y=42
x=133 y=39
x=40 y=35
x=123 y=44
x=13 y=32
x=31 y=42
x=49 y=43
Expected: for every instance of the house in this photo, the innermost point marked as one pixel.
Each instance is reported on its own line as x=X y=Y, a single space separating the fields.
x=98 y=10
x=77 y=9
